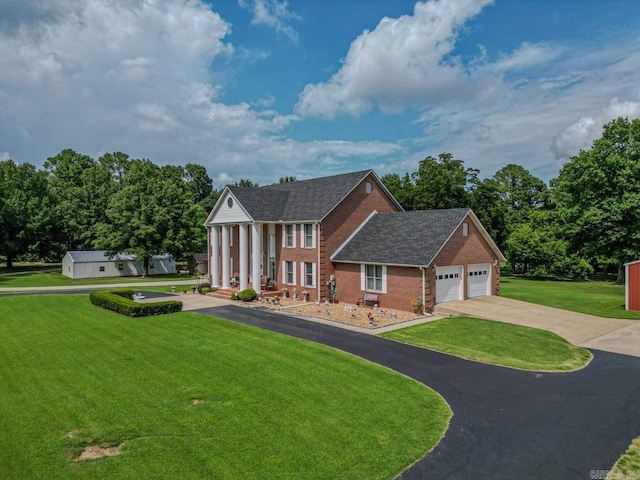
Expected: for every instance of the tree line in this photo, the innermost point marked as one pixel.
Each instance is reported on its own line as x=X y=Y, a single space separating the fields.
x=113 y=203
x=587 y=218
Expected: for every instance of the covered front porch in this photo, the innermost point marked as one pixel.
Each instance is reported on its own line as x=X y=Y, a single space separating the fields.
x=247 y=263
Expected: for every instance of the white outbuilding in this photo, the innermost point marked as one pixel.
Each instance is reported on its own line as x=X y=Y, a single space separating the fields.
x=95 y=264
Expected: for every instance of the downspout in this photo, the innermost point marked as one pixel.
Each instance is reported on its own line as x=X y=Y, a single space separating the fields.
x=424 y=312
x=318 y=264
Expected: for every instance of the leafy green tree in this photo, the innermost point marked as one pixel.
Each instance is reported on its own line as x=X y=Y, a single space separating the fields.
x=442 y=182
x=287 y=179
x=598 y=195
x=245 y=182
x=82 y=188
x=486 y=202
x=198 y=182
x=402 y=188
x=153 y=213
x=25 y=207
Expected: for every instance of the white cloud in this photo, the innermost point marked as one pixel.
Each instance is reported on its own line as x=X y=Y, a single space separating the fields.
x=273 y=14
x=402 y=62
x=536 y=105
x=4 y=156
x=117 y=75
x=581 y=134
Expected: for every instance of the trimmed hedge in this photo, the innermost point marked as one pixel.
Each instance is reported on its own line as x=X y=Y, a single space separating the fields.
x=121 y=301
x=202 y=286
x=247 y=295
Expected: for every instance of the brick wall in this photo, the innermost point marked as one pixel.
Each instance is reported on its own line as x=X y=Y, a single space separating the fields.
x=343 y=221
x=403 y=285
x=469 y=250
x=298 y=255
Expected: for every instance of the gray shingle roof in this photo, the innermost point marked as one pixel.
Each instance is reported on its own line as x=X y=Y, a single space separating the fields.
x=200 y=257
x=304 y=200
x=87 y=256
x=402 y=238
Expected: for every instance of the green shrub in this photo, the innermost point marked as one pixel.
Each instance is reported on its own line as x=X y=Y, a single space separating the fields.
x=234 y=296
x=204 y=290
x=247 y=295
x=120 y=301
x=202 y=286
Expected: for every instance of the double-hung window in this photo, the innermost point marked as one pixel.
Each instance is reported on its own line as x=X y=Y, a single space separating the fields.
x=289 y=236
x=308 y=274
x=290 y=273
x=374 y=278
x=308 y=235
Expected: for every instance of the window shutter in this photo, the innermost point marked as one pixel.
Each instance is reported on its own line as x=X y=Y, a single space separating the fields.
x=294 y=273
x=284 y=235
x=363 y=276
x=302 y=232
x=313 y=269
x=293 y=231
x=384 y=279
x=313 y=236
x=303 y=277
x=284 y=272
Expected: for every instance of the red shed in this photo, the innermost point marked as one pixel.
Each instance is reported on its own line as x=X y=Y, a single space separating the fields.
x=632 y=285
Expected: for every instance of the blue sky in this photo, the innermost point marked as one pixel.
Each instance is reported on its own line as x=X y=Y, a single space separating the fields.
x=265 y=88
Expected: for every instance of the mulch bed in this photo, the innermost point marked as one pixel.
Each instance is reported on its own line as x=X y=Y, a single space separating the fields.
x=343 y=312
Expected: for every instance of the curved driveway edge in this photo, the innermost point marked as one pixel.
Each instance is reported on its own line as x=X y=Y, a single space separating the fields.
x=609 y=334
x=507 y=424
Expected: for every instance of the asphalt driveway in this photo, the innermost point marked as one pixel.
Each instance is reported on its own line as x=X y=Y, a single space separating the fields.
x=507 y=424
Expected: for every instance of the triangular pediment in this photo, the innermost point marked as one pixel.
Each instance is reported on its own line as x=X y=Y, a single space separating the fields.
x=228 y=210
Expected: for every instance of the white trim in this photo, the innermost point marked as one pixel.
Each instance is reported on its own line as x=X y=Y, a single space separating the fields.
x=363 y=278
x=632 y=263
x=284 y=235
x=303 y=235
x=285 y=277
x=353 y=234
x=243 y=252
x=303 y=274
x=215 y=255
x=222 y=199
x=358 y=262
x=626 y=284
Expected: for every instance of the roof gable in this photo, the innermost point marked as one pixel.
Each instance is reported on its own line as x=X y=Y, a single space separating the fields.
x=301 y=201
x=228 y=212
x=405 y=238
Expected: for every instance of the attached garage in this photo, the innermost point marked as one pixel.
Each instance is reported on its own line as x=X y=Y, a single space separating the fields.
x=478 y=280
x=449 y=283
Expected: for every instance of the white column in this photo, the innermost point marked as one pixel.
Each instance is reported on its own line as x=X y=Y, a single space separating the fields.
x=243 y=251
x=256 y=255
x=215 y=256
x=226 y=255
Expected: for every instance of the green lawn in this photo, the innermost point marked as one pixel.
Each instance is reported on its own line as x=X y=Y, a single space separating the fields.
x=603 y=299
x=51 y=279
x=72 y=374
x=496 y=343
x=628 y=465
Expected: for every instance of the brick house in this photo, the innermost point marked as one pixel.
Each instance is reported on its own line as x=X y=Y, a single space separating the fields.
x=346 y=235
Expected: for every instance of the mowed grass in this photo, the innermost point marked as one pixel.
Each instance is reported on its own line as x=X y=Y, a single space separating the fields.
x=628 y=465
x=72 y=374
x=54 y=279
x=496 y=343
x=599 y=298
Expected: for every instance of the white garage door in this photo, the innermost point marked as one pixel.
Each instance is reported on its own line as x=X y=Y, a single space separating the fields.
x=448 y=284
x=478 y=280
